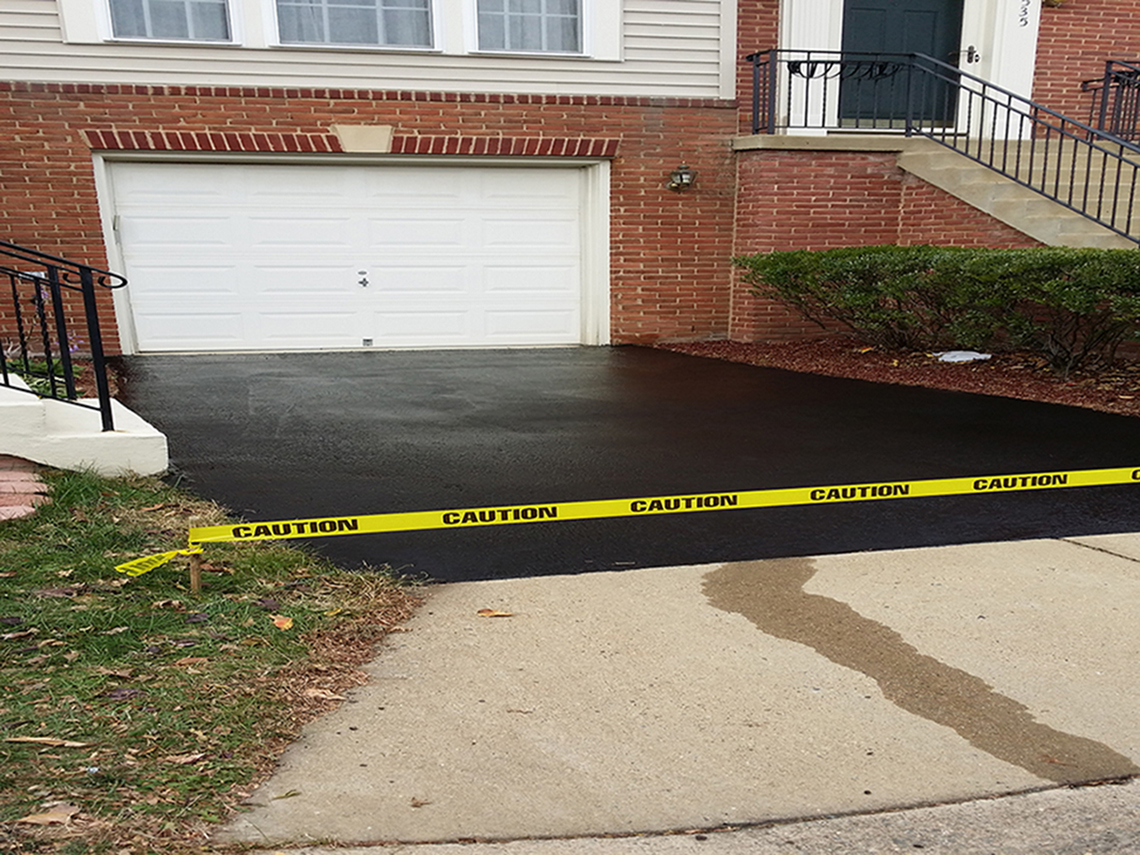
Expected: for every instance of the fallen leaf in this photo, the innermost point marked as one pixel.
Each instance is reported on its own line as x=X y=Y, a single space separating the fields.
x=493 y=613
x=71 y=655
x=417 y=803
x=157 y=507
x=192 y=660
x=12 y=636
x=115 y=631
x=323 y=694
x=282 y=622
x=122 y=694
x=48 y=740
x=287 y=795
x=61 y=814
x=122 y=673
x=6 y=575
x=268 y=603
x=166 y=604
x=184 y=759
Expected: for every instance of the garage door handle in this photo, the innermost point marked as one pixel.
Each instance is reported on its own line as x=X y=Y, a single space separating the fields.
x=363 y=278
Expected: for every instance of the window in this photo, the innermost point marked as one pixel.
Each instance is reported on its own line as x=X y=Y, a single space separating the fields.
x=530 y=25
x=355 y=22
x=170 y=19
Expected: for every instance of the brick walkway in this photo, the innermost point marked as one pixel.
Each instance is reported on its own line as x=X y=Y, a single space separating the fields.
x=21 y=489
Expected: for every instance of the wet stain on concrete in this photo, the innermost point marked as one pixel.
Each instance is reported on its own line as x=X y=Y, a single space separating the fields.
x=770 y=594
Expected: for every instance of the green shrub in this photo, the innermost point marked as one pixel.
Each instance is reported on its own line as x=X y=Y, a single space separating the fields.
x=1074 y=306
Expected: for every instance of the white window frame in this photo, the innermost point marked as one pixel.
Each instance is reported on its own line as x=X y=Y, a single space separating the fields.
x=89 y=22
x=253 y=24
x=600 y=31
x=229 y=16
x=272 y=26
x=581 y=51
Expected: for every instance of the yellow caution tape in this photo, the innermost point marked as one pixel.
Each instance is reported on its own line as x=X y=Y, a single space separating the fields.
x=650 y=506
x=138 y=566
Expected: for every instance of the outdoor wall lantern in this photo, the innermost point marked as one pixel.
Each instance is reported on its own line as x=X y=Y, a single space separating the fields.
x=681 y=178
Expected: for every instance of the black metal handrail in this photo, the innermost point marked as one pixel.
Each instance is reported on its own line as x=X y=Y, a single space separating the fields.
x=1090 y=171
x=1115 y=102
x=44 y=291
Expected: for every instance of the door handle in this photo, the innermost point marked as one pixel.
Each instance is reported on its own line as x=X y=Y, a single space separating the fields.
x=363 y=278
x=971 y=53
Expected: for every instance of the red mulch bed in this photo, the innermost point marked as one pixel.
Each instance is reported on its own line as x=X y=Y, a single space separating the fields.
x=1011 y=375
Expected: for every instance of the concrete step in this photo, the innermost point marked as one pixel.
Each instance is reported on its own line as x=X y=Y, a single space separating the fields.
x=66 y=436
x=1011 y=203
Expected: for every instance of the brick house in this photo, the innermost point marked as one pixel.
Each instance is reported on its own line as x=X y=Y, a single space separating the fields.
x=295 y=174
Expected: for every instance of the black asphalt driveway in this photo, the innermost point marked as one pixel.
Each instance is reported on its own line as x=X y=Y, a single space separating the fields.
x=283 y=436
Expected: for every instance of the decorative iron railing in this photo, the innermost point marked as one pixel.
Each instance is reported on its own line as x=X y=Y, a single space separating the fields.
x=1087 y=170
x=51 y=317
x=1115 y=102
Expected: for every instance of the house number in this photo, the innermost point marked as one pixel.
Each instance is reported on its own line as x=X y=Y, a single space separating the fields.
x=1023 y=14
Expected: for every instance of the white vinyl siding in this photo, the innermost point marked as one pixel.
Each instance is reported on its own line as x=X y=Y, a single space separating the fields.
x=661 y=48
x=28 y=22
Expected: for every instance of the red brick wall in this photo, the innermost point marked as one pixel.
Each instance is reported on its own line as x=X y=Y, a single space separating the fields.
x=1076 y=38
x=822 y=200
x=930 y=215
x=757 y=30
x=670 y=252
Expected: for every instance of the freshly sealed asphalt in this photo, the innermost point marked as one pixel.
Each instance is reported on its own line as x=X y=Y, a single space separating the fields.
x=286 y=436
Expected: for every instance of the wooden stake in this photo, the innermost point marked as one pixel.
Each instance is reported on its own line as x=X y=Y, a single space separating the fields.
x=195 y=564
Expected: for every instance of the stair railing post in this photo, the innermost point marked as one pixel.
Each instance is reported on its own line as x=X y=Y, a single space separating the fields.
x=98 y=361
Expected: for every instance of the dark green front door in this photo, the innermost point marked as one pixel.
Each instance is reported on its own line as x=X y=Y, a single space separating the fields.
x=876 y=94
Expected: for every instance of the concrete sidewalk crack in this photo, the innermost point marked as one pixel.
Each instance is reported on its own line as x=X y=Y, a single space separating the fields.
x=1099 y=549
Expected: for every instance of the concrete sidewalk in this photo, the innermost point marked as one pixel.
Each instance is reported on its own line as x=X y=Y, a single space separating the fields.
x=695 y=698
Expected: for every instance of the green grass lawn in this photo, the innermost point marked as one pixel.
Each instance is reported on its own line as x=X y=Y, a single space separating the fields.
x=159 y=708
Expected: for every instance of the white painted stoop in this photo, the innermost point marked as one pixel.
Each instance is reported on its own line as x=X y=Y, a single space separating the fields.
x=65 y=436
x=1005 y=199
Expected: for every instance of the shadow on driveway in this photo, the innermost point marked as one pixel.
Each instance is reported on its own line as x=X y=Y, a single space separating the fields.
x=283 y=436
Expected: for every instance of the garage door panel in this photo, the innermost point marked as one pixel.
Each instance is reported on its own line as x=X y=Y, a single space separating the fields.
x=530 y=234
x=293 y=328
x=402 y=232
x=442 y=326
x=313 y=187
x=508 y=325
x=175 y=281
x=520 y=280
x=186 y=329
x=537 y=187
x=301 y=232
x=316 y=283
x=423 y=280
x=180 y=231
x=415 y=186
x=232 y=256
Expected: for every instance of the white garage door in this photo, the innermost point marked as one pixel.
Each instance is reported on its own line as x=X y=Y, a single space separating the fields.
x=275 y=257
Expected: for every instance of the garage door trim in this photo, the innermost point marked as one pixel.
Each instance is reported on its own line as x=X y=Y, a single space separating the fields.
x=594 y=213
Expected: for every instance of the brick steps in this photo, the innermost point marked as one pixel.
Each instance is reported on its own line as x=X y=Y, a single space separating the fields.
x=21 y=490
